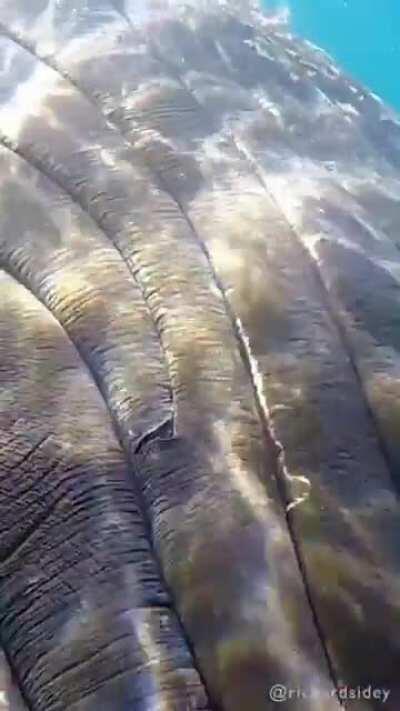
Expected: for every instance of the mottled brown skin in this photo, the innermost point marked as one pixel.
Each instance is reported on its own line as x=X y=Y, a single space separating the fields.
x=199 y=363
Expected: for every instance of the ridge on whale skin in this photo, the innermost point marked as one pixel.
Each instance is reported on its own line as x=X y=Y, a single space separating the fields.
x=199 y=364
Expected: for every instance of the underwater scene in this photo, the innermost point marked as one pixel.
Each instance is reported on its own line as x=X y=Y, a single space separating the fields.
x=362 y=35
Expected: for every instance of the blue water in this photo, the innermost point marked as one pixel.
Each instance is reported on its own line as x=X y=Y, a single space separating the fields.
x=363 y=36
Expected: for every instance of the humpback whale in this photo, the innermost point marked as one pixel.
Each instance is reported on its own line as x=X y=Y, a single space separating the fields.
x=199 y=364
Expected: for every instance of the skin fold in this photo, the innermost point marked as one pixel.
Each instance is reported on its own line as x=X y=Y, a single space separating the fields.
x=199 y=364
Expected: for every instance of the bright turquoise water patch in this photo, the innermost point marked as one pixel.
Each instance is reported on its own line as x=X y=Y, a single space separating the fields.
x=362 y=35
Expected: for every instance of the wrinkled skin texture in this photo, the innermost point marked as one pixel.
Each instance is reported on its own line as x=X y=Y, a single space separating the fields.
x=199 y=363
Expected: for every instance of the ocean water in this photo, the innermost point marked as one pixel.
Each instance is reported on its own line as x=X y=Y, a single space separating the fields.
x=362 y=35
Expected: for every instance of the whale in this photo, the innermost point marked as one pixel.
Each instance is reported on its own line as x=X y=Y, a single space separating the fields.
x=199 y=364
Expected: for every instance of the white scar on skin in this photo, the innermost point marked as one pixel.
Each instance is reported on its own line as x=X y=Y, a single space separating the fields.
x=259 y=387
x=282 y=17
x=376 y=97
x=349 y=109
x=224 y=56
x=140 y=620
